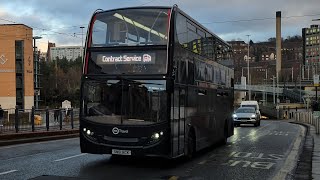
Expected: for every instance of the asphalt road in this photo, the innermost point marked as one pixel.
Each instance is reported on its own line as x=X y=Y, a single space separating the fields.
x=265 y=152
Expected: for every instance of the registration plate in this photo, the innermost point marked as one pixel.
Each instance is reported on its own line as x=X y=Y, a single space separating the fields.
x=121 y=152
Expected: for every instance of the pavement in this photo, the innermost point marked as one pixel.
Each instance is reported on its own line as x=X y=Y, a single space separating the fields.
x=308 y=166
x=28 y=137
x=315 y=154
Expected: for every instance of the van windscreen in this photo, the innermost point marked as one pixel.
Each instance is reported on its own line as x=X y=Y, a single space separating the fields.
x=254 y=106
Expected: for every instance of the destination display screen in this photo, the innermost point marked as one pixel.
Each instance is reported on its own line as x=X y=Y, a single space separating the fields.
x=126 y=58
x=128 y=62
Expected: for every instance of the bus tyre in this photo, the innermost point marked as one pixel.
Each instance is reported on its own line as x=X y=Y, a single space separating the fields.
x=191 y=145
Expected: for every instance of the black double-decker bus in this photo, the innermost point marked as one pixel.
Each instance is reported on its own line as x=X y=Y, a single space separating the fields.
x=152 y=84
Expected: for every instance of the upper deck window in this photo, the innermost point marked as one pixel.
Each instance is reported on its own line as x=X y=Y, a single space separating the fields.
x=131 y=27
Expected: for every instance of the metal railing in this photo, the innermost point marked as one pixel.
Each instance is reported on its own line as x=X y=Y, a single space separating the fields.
x=309 y=118
x=261 y=88
x=26 y=120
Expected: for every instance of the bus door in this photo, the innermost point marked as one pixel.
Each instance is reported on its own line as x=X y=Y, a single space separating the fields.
x=178 y=111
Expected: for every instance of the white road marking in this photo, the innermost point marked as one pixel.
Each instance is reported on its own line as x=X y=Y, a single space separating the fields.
x=212 y=155
x=70 y=157
x=292 y=158
x=202 y=162
x=7 y=172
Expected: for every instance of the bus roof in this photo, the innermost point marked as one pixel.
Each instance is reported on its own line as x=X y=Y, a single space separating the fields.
x=168 y=7
x=134 y=7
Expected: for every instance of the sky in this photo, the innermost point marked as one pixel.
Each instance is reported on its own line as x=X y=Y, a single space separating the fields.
x=59 y=21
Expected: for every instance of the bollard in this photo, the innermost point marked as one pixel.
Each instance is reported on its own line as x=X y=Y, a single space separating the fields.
x=71 y=114
x=32 y=118
x=16 y=119
x=317 y=126
x=306 y=117
x=60 y=122
x=47 y=118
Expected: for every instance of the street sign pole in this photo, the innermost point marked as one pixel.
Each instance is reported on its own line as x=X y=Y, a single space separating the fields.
x=316 y=84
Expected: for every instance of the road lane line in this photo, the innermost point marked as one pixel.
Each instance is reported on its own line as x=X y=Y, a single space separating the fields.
x=292 y=158
x=174 y=178
x=7 y=172
x=258 y=129
x=70 y=157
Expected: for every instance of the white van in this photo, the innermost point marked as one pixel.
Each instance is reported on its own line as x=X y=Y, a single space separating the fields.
x=252 y=104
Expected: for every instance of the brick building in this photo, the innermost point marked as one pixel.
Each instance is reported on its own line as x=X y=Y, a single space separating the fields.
x=16 y=66
x=263 y=57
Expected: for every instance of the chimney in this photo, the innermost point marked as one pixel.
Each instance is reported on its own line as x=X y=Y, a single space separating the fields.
x=278 y=44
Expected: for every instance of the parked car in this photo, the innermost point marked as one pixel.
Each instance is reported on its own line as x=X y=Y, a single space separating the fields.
x=246 y=115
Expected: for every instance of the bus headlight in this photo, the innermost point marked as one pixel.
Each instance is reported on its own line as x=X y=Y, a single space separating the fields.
x=88 y=132
x=155 y=136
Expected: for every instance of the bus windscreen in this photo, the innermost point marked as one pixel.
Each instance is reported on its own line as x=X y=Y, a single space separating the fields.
x=125 y=101
x=131 y=27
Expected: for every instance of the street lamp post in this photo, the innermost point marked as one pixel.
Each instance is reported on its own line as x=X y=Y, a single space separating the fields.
x=248 y=68
x=82 y=27
x=273 y=85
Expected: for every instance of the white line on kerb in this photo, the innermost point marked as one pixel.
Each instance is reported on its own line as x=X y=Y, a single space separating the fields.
x=7 y=172
x=70 y=157
x=202 y=162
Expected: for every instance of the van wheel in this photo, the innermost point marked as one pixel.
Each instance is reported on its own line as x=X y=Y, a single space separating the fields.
x=191 y=145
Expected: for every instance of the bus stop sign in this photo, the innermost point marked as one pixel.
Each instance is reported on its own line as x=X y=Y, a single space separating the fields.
x=316 y=80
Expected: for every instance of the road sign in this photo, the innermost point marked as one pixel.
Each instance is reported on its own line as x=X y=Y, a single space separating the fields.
x=316 y=80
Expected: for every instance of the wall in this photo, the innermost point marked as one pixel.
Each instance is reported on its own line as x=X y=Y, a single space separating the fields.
x=9 y=34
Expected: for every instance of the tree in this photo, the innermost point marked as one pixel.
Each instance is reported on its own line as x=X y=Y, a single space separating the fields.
x=61 y=83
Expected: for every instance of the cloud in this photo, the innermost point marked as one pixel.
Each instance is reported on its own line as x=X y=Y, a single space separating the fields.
x=59 y=20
